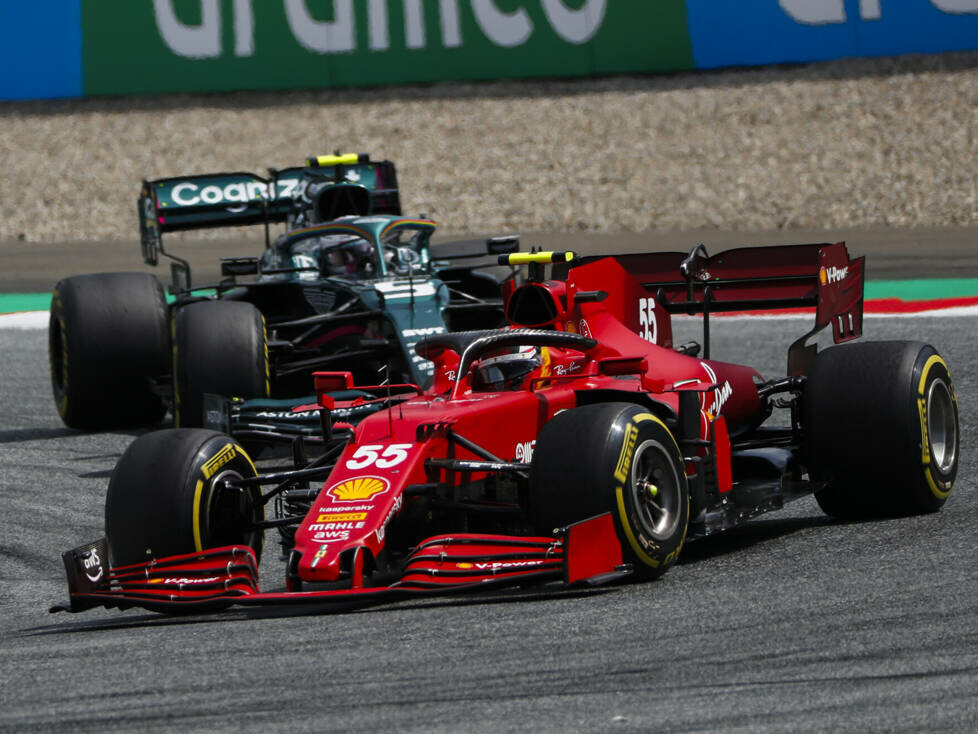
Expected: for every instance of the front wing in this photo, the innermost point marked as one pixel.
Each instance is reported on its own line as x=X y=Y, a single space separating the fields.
x=585 y=553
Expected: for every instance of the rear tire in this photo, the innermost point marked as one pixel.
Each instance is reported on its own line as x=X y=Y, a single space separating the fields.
x=219 y=347
x=107 y=337
x=617 y=458
x=167 y=497
x=880 y=425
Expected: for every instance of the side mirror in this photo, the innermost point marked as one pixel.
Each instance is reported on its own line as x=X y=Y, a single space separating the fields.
x=503 y=245
x=149 y=229
x=692 y=266
x=232 y=266
x=179 y=277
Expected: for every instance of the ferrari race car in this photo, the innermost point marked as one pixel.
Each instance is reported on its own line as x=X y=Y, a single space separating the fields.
x=576 y=446
x=350 y=285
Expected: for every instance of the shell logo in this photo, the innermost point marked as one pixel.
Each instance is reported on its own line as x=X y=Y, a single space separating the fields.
x=823 y=277
x=464 y=565
x=361 y=488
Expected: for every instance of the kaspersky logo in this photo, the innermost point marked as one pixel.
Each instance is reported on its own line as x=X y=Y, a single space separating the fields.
x=507 y=27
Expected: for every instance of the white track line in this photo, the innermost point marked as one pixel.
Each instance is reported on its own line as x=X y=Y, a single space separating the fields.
x=25 y=320
x=809 y=315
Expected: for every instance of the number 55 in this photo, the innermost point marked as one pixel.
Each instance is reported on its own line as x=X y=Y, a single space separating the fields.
x=392 y=455
x=648 y=328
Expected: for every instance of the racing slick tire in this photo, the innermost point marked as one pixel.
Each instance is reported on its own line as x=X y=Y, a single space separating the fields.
x=107 y=337
x=219 y=347
x=880 y=425
x=617 y=458
x=168 y=496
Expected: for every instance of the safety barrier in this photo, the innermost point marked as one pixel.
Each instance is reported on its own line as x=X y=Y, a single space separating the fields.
x=71 y=48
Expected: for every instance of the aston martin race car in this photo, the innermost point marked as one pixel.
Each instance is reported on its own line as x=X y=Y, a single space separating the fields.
x=351 y=284
x=576 y=446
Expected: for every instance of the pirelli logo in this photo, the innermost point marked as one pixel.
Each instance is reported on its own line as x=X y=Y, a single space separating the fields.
x=219 y=459
x=627 y=449
x=341 y=517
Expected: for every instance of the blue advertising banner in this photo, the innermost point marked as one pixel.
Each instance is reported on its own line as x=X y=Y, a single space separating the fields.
x=751 y=32
x=73 y=48
x=920 y=26
x=40 y=49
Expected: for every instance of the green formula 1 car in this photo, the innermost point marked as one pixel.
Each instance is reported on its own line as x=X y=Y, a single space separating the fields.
x=350 y=284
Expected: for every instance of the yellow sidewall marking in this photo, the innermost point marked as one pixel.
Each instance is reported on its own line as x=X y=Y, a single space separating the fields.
x=619 y=491
x=642 y=417
x=924 y=434
x=244 y=454
x=632 y=540
x=926 y=371
x=222 y=457
x=198 y=491
x=941 y=495
x=624 y=464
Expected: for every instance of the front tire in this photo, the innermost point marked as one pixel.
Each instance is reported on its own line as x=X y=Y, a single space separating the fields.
x=219 y=347
x=617 y=458
x=168 y=496
x=880 y=423
x=107 y=339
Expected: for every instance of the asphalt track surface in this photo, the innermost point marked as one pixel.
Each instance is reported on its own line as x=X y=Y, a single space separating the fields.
x=793 y=622
x=952 y=252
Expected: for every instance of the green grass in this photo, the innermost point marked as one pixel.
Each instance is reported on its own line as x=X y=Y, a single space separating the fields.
x=921 y=290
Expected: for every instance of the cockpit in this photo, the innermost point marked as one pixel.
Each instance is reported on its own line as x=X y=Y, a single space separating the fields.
x=352 y=247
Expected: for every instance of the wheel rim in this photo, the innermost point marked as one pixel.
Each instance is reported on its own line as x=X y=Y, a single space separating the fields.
x=656 y=490
x=231 y=512
x=942 y=428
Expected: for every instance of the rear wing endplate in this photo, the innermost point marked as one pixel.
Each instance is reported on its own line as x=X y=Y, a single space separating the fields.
x=765 y=278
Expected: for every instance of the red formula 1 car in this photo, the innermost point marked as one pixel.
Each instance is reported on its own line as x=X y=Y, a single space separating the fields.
x=574 y=447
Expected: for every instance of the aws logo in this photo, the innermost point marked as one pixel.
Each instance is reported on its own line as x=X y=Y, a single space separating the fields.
x=92 y=561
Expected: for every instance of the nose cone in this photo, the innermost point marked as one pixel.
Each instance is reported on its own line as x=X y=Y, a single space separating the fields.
x=323 y=565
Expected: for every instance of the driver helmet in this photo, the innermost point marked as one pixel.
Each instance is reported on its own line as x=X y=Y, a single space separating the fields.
x=347 y=259
x=506 y=371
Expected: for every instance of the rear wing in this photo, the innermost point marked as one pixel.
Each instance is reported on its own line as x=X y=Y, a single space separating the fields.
x=240 y=198
x=819 y=276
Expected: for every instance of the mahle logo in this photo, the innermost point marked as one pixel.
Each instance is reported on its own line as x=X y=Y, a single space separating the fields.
x=504 y=28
